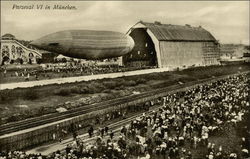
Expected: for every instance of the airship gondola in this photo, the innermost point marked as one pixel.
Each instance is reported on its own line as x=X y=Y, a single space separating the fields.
x=86 y=44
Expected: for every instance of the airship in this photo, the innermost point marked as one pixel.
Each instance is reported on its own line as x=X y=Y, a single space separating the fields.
x=86 y=44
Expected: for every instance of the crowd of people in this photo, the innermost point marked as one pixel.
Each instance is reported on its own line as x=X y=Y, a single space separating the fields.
x=181 y=129
x=59 y=70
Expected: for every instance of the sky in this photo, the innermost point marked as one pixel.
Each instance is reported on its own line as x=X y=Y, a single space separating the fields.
x=228 y=21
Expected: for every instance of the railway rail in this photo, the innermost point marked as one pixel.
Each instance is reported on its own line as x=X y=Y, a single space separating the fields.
x=115 y=127
x=42 y=120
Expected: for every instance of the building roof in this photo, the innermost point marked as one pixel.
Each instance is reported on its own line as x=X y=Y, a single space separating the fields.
x=43 y=51
x=169 y=32
x=60 y=56
x=8 y=36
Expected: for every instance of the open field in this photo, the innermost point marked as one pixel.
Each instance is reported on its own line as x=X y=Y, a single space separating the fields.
x=23 y=103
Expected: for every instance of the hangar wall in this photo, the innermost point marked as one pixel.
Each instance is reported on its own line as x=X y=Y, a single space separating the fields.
x=186 y=54
x=180 y=54
x=211 y=53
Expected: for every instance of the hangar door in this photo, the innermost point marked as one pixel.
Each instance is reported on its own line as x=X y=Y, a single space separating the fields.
x=143 y=53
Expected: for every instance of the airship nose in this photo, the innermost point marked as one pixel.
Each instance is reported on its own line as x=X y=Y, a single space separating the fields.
x=40 y=43
x=52 y=42
x=35 y=43
x=131 y=43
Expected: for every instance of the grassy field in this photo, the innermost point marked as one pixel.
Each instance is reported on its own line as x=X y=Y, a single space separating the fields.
x=24 y=103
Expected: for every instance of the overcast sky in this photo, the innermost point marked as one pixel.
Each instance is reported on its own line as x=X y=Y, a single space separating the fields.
x=228 y=21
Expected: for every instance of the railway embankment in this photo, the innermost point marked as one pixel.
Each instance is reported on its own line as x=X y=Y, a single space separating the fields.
x=25 y=103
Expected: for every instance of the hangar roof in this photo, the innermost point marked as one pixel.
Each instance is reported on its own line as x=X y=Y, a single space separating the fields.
x=169 y=32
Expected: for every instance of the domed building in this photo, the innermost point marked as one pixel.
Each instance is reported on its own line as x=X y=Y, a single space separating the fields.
x=8 y=37
x=12 y=51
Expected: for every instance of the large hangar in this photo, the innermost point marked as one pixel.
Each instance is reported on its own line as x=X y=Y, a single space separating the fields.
x=171 y=46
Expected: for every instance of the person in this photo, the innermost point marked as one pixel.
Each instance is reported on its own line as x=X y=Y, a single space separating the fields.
x=102 y=130
x=111 y=134
x=124 y=130
x=106 y=130
x=67 y=149
x=189 y=155
x=75 y=134
x=211 y=155
x=54 y=136
x=5 y=72
x=244 y=143
x=147 y=155
x=90 y=131
x=245 y=153
x=28 y=77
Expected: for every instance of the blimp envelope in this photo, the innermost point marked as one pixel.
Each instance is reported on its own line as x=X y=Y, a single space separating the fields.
x=86 y=44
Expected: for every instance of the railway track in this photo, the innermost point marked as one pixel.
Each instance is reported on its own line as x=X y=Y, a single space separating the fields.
x=115 y=127
x=46 y=119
